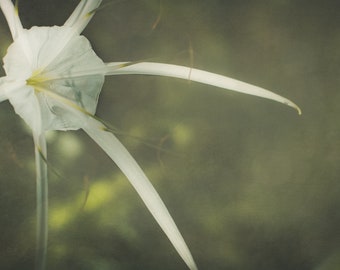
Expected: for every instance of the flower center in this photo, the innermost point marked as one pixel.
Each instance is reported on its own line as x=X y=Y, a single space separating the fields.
x=36 y=78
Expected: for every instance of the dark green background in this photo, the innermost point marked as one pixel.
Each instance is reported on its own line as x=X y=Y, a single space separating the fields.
x=251 y=184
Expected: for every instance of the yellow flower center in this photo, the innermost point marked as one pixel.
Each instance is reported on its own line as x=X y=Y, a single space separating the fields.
x=36 y=78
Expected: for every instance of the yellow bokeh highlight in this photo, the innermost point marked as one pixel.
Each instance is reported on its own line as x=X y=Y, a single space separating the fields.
x=182 y=135
x=61 y=215
x=93 y=198
x=101 y=192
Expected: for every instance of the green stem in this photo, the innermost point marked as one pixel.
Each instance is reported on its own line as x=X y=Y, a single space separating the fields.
x=42 y=201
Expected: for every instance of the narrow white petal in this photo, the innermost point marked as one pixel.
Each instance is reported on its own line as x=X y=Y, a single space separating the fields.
x=192 y=74
x=12 y=17
x=118 y=153
x=82 y=15
x=182 y=72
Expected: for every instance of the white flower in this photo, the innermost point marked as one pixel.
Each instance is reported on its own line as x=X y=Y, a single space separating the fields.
x=53 y=80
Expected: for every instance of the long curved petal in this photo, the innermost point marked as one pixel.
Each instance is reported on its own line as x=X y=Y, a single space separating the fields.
x=182 y=72
x=11 y=13
x=192 y=74
x=118 y=153
x=82 y=15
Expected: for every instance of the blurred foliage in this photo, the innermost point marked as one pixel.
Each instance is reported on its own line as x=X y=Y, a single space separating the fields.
x=250 y=184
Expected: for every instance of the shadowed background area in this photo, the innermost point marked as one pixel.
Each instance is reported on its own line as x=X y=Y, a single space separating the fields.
x=250 y=184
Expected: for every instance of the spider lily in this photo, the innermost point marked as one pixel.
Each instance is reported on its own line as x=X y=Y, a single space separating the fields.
x=53 y=80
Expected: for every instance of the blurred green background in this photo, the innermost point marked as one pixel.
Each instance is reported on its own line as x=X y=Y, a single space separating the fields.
x=250 y=184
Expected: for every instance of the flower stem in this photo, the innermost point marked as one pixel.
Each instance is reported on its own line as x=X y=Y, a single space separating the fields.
x=42 y=202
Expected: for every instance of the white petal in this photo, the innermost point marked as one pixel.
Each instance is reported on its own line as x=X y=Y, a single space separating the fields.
x=24 y=102
x=182 y=72
x=118 y=153
x=82 y=15
x=192 y=74
x=2 y=97
x=3 y=85
x=75 y=24
x=57 y=77
x=12 y=17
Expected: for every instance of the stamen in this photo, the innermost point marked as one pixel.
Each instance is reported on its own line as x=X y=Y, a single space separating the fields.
x=36 y=78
